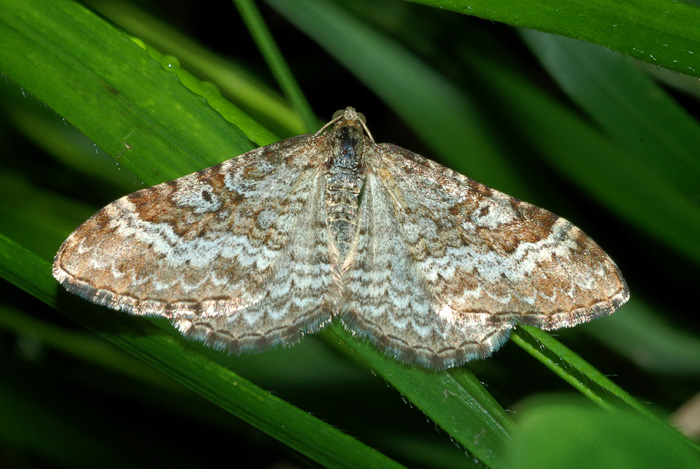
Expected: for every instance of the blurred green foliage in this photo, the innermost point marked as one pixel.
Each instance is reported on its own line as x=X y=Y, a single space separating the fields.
x=608 y=142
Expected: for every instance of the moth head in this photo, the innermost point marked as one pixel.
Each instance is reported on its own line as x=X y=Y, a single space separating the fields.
x=349 y=114
x=348 y=117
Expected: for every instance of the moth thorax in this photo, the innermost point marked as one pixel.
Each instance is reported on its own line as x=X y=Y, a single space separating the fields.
x=344 y=181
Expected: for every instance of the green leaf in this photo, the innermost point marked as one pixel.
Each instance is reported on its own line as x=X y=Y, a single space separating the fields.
x=573 y=369
x=563 y=434
x=655 y=31
x=234 y=80
x=455 y=400
x=276 y=62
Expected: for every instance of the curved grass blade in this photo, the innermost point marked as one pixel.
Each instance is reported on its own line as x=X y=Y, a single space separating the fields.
x=656 y=31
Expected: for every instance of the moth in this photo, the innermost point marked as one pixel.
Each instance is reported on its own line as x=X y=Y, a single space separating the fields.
x=432 y=267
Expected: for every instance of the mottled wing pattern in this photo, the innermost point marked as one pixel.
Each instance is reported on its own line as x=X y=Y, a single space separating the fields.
x=388 y=300
x=235 y=255
x=431 y=266
x=445 y=266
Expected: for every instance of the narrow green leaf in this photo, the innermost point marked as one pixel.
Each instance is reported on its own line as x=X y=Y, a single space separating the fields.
x=233 y=79
x=454 y=399
x=572 y=368
x=660 y=32
x=581 y=375
x=111 y=97
x=639 y=116
x=276 y=62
